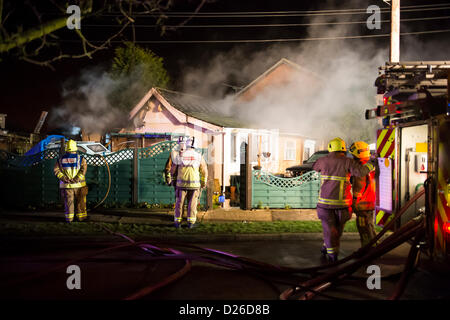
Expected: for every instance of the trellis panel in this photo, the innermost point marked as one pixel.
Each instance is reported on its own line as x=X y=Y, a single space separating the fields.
x=276 y=192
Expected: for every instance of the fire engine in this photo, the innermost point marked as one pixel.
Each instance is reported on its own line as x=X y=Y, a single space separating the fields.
x=413 y=146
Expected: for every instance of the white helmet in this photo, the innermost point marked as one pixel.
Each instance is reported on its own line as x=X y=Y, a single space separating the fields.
x=181 y=143
x=191 y=142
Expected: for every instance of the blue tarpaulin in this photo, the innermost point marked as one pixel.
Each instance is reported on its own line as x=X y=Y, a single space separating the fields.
x=41 y=145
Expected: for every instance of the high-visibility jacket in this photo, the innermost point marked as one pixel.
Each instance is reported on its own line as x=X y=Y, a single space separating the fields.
x=71 y=167
x=335 y=188
x=364 y=192
x=188 y=168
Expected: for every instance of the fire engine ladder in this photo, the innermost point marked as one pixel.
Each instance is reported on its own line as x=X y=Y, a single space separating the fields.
x=416 y=83
x=409 y=76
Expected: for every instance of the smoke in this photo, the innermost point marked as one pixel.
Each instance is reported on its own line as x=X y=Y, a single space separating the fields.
x=326 y=98
x=97 y=102
x=329 y=103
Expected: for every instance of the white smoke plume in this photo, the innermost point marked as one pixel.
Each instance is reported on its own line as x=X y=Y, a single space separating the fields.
x=91 y=102
x=333 y=107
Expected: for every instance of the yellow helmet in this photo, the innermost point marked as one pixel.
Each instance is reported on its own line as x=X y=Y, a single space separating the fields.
x=360 y=149
x=337 y=144
x=71 y=146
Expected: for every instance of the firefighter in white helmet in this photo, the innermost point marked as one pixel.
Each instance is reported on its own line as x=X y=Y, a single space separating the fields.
x=187 y=170
x=71 y=169
x=363 y=194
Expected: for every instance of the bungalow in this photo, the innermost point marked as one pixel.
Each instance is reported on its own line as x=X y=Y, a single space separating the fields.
x=164 y=115
x=291 y=148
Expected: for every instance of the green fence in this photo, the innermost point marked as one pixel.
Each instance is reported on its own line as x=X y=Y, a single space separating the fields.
x=275 y=192
x=29 y=180
x=151 y=184
x=121 y=168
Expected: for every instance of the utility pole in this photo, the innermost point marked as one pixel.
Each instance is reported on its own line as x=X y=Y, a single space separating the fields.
x=395 y=31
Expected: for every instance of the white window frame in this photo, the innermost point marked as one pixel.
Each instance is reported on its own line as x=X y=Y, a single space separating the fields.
x=311 y=145
x=234 y=147
x=290 y=152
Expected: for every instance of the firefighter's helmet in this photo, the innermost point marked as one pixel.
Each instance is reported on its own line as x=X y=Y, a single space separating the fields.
x=190 y=143
x=181 y=144
x=337 y=144
x=71 y=146
x=360 y=150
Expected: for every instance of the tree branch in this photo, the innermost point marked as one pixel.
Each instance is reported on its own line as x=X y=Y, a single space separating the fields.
x=129 y=10
x=22 y=38
x=1 y=11
x=47 y=63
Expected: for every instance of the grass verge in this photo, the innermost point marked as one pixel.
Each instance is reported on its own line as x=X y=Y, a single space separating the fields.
x=89 y=228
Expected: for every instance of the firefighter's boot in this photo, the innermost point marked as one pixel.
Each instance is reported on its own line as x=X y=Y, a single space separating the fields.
x=323 y=250
x=332 y=257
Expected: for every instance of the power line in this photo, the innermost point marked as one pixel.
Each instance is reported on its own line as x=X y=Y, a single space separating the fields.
x=294 y=11
x=265 y=15
x=307 y=11
x=264 y=25
x=272 y=40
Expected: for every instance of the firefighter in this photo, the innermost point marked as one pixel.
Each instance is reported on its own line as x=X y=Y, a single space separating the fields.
x=170 y=174
x=188 y=171
x=335 y=198
x=71 y=169
x=363 y=194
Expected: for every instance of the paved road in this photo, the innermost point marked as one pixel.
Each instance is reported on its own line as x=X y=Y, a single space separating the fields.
x=119 y=273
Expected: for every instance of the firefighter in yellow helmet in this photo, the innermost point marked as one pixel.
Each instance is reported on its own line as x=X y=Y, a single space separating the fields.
x=335 y=197
x=71 y=169
x=187 y=170
x=363 y=194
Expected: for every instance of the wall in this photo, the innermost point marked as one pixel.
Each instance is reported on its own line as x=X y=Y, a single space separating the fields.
x=277 y=77
x=298 y=152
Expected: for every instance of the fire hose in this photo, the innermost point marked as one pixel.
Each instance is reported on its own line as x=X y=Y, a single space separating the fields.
x=414 y=228
x=368 y=253
x=219 y=258
x=403 y=234
x=375 y=240
x=109 y=183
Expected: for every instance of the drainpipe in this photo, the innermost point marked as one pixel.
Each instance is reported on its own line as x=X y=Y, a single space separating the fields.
x=223 y=162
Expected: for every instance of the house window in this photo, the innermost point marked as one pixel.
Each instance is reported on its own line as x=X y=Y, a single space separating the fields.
x=233 y=154
x=289 y=150
x=309 y=147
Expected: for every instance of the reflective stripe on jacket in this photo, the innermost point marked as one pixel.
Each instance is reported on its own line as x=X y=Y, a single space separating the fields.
x=335 y=188
x=364 y=192
x=189 y=169
x=71 y=166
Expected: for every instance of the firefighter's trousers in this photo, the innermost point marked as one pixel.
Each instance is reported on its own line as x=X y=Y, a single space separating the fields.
x=333 y=222
x=365 y=225
x=74 y=203
x=192 y=197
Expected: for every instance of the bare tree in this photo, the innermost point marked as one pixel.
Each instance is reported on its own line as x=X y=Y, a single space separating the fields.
x=28 y=31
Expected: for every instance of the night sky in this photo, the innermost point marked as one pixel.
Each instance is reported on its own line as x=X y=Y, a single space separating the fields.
x=27 y=89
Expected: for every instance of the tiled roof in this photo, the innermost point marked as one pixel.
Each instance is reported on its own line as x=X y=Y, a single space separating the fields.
x=201 y=108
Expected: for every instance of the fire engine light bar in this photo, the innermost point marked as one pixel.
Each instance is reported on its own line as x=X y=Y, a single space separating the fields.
x=447 y=227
